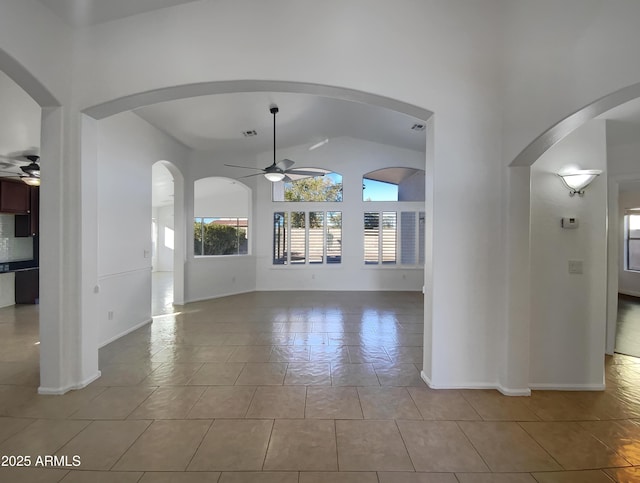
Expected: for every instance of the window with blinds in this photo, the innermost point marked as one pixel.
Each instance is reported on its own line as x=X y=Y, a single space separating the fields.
x=393 y=240
x=301 y=237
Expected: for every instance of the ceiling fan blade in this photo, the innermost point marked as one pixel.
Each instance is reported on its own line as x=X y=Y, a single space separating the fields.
x=250 y=175
x=245 y=167
x=286 y=179
x=285 y=164
x=302 y=172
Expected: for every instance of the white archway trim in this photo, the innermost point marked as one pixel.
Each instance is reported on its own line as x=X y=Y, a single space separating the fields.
x=141 y=99
x=27 y=81
x=561 y=129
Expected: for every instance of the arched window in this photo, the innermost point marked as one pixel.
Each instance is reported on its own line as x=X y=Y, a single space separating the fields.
x=393 y=184
x=326 y=186
x=221 y=217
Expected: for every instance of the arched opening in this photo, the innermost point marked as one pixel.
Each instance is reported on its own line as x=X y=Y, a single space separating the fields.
x=103 y=111
x=167 y=236
x=519 y=229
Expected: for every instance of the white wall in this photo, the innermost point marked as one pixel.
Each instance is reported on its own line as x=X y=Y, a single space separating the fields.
x=221 y=197
x=127 y=149
x=568 y=311
x=19 y=122
x=628 y=281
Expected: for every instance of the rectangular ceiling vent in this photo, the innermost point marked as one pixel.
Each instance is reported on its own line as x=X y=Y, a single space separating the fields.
x=418 y=127
x=250 y=133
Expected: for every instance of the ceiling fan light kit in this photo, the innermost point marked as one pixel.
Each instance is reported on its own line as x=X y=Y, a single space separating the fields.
x=277 y=171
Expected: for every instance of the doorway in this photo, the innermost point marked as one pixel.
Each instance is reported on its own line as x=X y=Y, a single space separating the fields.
x=163 y=240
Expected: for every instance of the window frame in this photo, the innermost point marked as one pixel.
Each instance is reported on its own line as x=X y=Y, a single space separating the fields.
x=628 y=238
x=200 y=219
x=282 y=227
x=418 y=235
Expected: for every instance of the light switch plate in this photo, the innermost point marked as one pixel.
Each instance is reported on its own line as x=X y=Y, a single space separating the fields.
x=575 y=266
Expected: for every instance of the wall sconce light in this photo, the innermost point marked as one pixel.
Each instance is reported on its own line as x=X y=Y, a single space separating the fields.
x=577 y=180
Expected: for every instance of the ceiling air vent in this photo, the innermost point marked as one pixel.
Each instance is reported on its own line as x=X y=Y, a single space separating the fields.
x=250 y=133
x=418 y=127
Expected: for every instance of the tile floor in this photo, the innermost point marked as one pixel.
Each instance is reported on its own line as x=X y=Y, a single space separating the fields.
x=303 y=387
x=628 y=326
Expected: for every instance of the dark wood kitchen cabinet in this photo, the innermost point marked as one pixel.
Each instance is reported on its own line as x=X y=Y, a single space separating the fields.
x=15 y=197
x=27 y=286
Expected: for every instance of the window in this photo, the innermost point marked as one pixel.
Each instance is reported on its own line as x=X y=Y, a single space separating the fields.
x=386 y=243
x=220 y=236
x=632 y=239
x=221 y=209
x=327 y=186
x=394 y=184
x=301 y=237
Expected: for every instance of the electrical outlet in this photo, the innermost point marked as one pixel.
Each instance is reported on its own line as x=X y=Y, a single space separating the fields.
x=110 y=315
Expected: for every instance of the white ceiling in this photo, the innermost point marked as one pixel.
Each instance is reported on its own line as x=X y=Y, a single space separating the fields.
x=81 y=13
x=216 y=123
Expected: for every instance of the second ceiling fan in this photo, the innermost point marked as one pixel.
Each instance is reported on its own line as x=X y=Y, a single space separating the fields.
x=277 y=171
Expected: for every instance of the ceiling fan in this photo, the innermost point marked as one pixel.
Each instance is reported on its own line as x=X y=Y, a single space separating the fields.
x=277 y=171
x=31 y=172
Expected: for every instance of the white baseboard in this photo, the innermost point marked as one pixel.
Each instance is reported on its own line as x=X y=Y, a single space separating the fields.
x=629 y=292
x=201 y=299
x=58 y=391
x=567 y=387
x=125 y=332
x=478 y=385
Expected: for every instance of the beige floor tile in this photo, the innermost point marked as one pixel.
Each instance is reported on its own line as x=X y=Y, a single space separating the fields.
x=555 y=406
x=229 y=402
x=79 y=476
x=174 y=477
x=54 y=407
x=387 y=403
x=329 y=353
x=493 y=406
x=302 y=445
x=262 y=374
x=168 y=403
x=164 y=446
x=271 y=402
x=590 y=476
x=401 y=477
x=233 y=445
x=125 y=374
x=259 y=477
x=290 y=354
x=308 y=374
x=505 y=446
x=11 y=426
x=442 y=404
x=353 y=375
x=362 y=354
x=43 y=437
x=338 y=477
x=405 y=354
x=217 y=374
x=573 y=446
x=624 y=475
x=31 y=475
x=333 y=403
x=495 y=478
x=621 y=436
x=102 y=443
x=371 y=446
x=398 y=375
x=251 y=354
x=114 y=403
x=439 y=446
x=172 y=374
